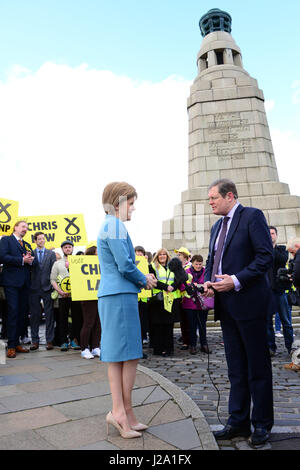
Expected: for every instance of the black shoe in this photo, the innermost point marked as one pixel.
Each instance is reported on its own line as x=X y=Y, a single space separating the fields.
x=229 y=432
x=185 y=347
x=205 y=349
x=259 y=436
x=193 y=350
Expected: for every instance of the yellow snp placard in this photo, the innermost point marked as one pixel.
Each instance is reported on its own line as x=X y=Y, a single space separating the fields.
x=56 y=228
x=142 y=264
x=8 y=215
x=84 y=277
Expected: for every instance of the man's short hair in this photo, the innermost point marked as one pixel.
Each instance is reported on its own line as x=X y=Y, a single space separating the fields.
x=37 y=234
x=198 y=258
x=140 y=248
x=19 y=222
x=271 y=227
x=225 y=186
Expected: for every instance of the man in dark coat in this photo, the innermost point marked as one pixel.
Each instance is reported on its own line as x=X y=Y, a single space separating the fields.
x=240 y=254
x=17 y=257
x=41 y=290
x=279 y=298
x=293 y=248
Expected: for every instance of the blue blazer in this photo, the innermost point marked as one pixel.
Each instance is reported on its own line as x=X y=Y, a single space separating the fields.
x=119 y=273
x=14 y=273
x=248 y=253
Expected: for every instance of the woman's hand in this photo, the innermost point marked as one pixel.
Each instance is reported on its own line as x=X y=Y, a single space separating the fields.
x=170 y=289
x=151 y=281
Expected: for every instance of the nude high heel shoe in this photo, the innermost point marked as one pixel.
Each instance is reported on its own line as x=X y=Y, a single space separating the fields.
x=125 y=434
x=139 y=427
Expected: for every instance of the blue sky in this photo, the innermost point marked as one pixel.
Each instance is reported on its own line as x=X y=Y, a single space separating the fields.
x=146 y=42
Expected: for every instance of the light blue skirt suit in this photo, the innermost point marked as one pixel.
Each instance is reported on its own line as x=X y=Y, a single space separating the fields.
x=117 y=295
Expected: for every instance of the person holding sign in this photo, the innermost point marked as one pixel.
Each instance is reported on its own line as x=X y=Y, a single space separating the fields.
x=121 y=280
x=60 y=282
x=91 y=329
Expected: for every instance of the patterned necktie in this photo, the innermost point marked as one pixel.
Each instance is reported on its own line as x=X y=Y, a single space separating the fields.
x=21 y=242
x=219 y=250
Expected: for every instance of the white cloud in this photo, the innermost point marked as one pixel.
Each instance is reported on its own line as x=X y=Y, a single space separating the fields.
x=67 y=132
x=286 y=145
x=269 y=105
x=296 y=94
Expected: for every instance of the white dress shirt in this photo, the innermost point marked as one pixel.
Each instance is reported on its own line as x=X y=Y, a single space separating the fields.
x=237 y=285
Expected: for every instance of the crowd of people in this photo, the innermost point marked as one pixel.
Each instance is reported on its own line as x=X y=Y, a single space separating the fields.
x=31 y=292
x=30 y=286
x=247 y=279
x=76 y=325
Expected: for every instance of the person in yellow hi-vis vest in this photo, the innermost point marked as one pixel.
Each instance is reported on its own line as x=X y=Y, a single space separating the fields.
x=163 y=305
x=143 y=302
x=184 y=255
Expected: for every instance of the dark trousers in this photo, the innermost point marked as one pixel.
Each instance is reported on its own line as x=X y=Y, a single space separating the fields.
x=144 y=314
x=35 y=315
x=64 y=305
x=17 y=309
x=249 y=371
x=162 y=338
x=280 y=305
x=56 y=339
x=3 y=309
x=91 y=330
x=197 y=319
x=184 y=326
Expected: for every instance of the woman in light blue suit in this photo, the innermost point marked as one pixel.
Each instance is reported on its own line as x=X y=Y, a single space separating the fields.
x=121 y=343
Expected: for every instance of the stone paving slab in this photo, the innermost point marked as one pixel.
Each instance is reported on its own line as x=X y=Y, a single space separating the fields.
x=30 y=419
x=60 y=402
x=25 y=440
x=16 y=379
x=181 y=436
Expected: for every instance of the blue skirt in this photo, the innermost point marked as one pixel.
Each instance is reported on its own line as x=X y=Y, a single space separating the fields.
x=121 y=338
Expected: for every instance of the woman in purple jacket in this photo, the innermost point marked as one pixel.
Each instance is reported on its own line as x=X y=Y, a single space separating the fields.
x=196 y=309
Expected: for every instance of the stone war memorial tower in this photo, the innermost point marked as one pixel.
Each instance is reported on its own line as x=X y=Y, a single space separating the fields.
x=228 y=138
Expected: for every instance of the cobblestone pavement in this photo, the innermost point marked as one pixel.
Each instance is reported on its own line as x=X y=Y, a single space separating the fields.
x=210 y=391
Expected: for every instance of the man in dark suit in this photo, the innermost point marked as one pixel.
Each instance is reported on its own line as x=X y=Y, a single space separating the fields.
x=41 y=290
x=17 y=258
x=240 y=254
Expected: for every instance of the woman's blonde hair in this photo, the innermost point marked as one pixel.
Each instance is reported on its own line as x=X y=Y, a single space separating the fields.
x=155 y=259
x=114 y=193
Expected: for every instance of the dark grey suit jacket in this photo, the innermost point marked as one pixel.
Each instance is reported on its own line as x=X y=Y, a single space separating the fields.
x=248 y=253
x=40 y=274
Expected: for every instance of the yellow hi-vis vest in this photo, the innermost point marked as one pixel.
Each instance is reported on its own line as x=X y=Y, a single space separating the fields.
x=166 y=276
x=292 y=286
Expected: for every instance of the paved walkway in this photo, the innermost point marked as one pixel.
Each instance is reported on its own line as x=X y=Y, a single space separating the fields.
x=210 y=391
x=54 y=400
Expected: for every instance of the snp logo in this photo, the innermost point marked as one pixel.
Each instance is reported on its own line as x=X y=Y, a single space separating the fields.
x=4 y=213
